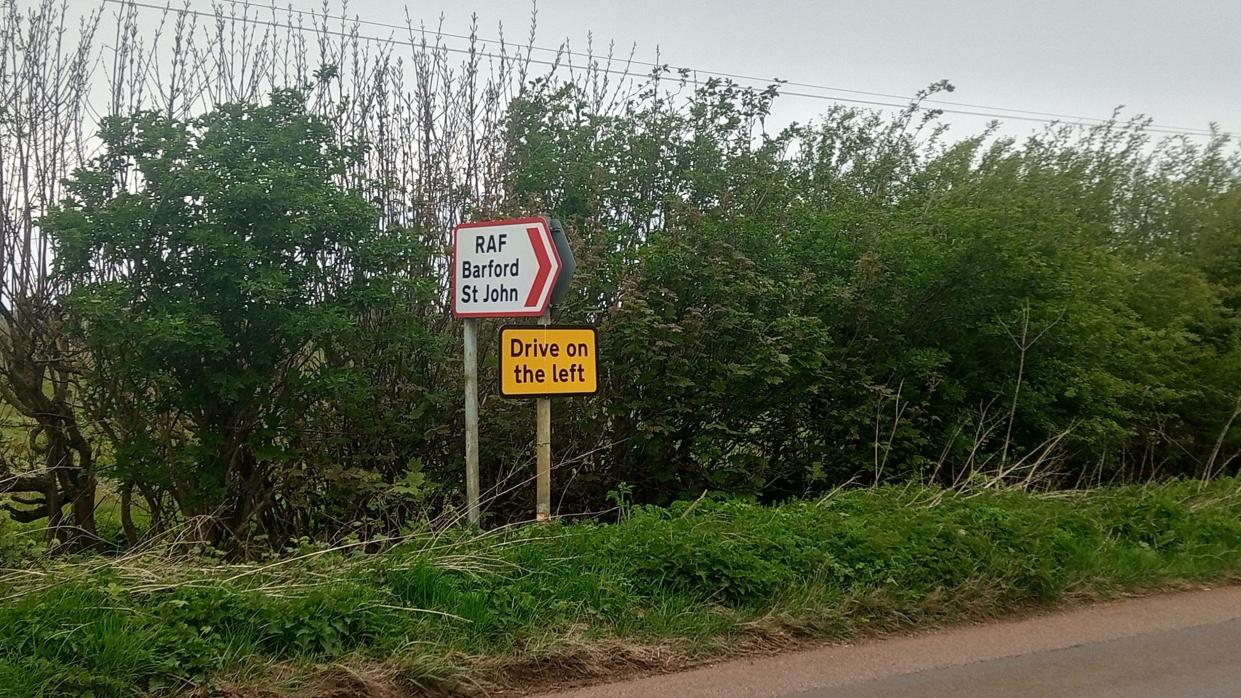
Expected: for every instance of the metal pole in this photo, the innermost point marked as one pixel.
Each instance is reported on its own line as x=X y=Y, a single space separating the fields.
x=471 y=419
x=543 y=449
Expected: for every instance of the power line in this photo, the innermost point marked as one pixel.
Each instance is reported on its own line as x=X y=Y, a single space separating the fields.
x=715 y=73
x=1017 y=115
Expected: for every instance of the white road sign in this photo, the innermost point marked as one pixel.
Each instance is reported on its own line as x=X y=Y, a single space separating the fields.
x=503 y=268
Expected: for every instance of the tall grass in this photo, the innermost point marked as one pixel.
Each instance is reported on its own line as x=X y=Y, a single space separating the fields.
x=661 y=586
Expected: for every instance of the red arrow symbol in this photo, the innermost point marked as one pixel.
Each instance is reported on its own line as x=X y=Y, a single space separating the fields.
x=545 y=266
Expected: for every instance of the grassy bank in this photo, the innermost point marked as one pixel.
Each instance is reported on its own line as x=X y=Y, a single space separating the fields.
x=661 y=586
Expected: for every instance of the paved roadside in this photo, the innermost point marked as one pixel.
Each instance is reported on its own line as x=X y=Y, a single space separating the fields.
x=1179 y=644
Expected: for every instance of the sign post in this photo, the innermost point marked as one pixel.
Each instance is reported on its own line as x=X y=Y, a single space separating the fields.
x=543 y=452
x=503 y=268
x=470 y=332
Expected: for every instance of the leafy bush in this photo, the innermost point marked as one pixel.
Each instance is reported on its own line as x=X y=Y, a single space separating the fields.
x=217 y=291
x=780 y=313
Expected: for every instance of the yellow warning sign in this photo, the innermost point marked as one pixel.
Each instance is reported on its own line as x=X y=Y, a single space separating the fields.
x=541 y=361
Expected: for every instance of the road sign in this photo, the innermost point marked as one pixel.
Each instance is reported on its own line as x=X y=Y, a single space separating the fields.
x=545 y=361
x=503 y=268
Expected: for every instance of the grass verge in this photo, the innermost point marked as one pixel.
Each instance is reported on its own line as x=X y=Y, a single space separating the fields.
x=662 y=588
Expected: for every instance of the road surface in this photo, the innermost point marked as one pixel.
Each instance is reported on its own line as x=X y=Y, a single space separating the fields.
x=1184 y=645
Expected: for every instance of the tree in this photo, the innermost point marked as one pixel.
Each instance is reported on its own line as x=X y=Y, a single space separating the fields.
x=43 y=89
x=211 y=265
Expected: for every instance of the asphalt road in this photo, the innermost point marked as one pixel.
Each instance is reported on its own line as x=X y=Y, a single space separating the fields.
x=1184 y=645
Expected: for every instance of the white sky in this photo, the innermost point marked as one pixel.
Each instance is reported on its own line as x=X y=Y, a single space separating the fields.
x=1176 y=61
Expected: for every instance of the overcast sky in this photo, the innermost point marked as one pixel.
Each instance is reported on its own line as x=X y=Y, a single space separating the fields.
x=1177 y=61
